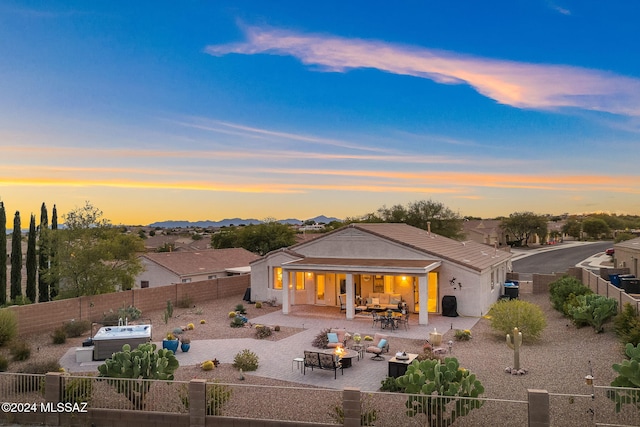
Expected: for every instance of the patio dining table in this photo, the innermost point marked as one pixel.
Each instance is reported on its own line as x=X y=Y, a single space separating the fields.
x=389 y=321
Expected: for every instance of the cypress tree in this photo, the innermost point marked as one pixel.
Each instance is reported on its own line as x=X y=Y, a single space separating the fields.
x=16 y=258
x=53 y=284
x=32 y=261
x=3 y=255
x=43 y=255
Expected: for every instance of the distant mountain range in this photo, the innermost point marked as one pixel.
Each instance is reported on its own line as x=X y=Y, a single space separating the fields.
x=321 y=219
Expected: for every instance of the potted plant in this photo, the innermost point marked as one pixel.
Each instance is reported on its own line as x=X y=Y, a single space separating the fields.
x=185 y=344
x=170 y=342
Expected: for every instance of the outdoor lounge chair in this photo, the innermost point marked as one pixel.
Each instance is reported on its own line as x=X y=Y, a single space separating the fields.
x=378 y=346
x=337 y=338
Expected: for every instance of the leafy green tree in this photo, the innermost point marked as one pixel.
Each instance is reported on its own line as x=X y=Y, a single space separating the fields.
x=572 y=228
x=16 y=258
x=595 y=227
x=31 y=261
x=423 y=214
x=260 y=238
x=520 y=226
x=3 y=255
x=44 y=247
x=92 y=257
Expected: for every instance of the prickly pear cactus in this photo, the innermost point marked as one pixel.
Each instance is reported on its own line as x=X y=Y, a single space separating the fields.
x=140 y=364
x=514 y=342
x=629 y=376
x=435 y=388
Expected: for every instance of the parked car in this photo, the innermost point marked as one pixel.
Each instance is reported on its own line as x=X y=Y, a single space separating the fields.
x=610 y=251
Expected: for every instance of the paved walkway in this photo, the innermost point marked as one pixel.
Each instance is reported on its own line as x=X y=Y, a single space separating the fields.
x=276 y=357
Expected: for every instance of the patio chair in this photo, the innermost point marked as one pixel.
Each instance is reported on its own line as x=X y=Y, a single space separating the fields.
x=343 y=307
x=376 y=319
x=337 y=338
x=404 y=320
x=378 y=346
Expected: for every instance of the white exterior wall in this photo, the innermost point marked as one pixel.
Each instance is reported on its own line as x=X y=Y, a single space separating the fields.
x=261 y=279
x=155 y=275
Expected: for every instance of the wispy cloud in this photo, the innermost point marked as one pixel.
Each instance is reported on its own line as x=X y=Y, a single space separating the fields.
x=558 y=8
x=522 y=85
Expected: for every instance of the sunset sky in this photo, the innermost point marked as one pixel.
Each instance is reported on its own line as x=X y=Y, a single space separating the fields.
x=199 y=110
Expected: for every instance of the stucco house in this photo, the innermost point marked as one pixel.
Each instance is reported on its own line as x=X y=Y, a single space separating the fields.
x=627 y=254
x=166 y=268
x=407 y=263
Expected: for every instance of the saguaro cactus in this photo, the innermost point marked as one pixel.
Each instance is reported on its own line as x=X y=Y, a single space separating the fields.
x=514 y=342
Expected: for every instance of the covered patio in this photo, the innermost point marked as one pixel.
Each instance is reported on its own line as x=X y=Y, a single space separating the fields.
x=320 y=281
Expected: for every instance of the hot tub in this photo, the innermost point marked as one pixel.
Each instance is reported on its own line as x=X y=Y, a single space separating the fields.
x=110 y=339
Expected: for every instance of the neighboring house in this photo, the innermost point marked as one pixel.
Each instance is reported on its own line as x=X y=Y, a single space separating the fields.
x=166 y=268
x=487 y=231
x=627 y=254
x=396 y=259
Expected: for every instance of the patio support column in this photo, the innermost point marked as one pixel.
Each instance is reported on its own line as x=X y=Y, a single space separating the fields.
x=423 y=316
x=350 y=302
x=286 y=306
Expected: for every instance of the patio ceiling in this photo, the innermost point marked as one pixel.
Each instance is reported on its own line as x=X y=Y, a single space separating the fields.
x=363 y=265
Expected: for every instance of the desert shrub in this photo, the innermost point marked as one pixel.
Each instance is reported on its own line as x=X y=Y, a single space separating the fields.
x=262 y=331
x=237 y=322
x=321 y=340
x=111 y=318
x=428 y=354
x=76 y=328
x=4 y=363
x=246 y=360
x=509 y=314
x=8 y=326
x=258 y=304
x=217 y=396
x=20 y=300
x=276 y=328
x=368 y=413
x=462 y=335
x=177 y=331
x=561 y=289
x=59 y=336
x=42 y=367
x=185 y=302
x=20 y=350
x=240 y=309
x=627 y=325
x=389 y=384
x=77 y=390
x=594 y=310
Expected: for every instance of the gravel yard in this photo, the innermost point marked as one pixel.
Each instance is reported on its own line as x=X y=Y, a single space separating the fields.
x=558 y=362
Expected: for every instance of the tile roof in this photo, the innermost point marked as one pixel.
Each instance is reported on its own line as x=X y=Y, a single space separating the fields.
x=201 y=262
x=633 y=244
x=476 y=256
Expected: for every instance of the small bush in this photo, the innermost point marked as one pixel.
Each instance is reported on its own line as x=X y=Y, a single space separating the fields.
x=561 y=289
x=527 y=317
x=20 y=300
x=217 y=396
x=232 y=314
x=627 y=325
x=240 y=309
x=321 y=340
x=237 y=322
x=185 y=302
x=111 y=318
x=20 y=350
x=4 y=363
x=76 y=328
x=258 y=304
x=389 y=384
x=177 y=331
x=462 y=335
x=41 y=367
x=8 y=326
x=263 y=331
x=59 y=336
x=276 y=328
x=246 y=360
x=77 y=390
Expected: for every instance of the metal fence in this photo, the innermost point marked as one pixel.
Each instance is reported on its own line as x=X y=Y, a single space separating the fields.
x=22 y=387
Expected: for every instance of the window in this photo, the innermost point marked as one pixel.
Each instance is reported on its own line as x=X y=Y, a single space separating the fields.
x=277 y=277
x=212 y=277
x=187 y=280
x=299 y=281
x=144 y=284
